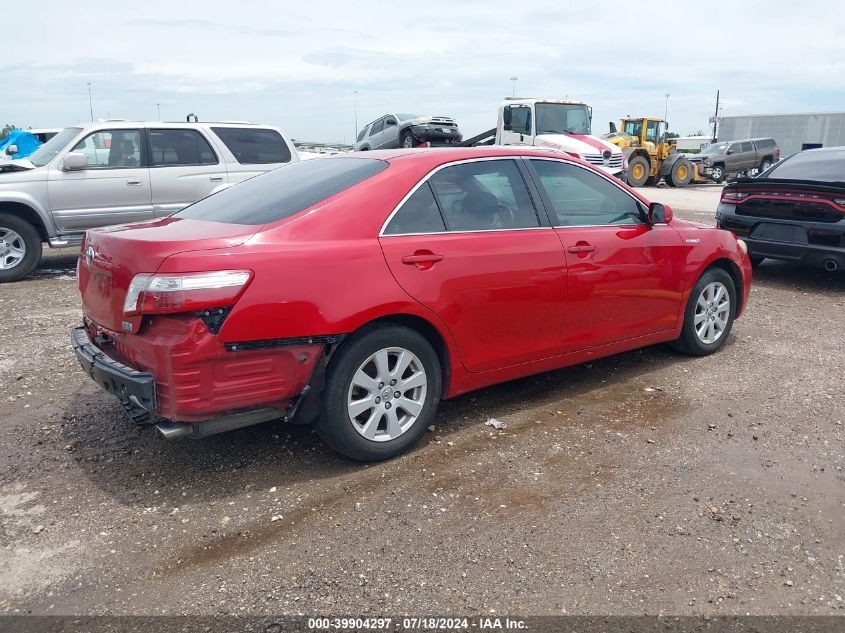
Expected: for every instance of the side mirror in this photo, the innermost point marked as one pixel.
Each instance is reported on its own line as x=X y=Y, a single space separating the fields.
x=506 y=118
x=75 y=161
x=11 y=150
x=389 y=122
x=730 y=151
x=612 y=127
x=659 y=213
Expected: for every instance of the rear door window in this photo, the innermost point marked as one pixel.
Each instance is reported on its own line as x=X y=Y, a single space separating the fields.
x=419 y=214
x=179 y=147
x=747 y=147
x=485 y=195
x=283 y=192
x=254 y=146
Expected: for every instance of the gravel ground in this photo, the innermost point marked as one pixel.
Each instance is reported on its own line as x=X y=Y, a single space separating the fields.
x=642 y=483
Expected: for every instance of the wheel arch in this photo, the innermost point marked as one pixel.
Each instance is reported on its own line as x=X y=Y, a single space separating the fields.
x=432 y=334
x=732 y=269
x=26 y=212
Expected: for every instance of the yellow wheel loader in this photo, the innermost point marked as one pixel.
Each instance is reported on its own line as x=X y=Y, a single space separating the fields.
x=650 y=156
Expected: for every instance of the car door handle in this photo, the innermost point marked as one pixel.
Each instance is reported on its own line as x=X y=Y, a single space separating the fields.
x=134 y=183
x=422 y=258
x=216 y=178
x=582 y=248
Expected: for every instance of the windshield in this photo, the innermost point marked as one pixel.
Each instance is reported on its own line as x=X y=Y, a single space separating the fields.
x=716 y=148
x=48 y=151
x=406 y=117
x=559 y=118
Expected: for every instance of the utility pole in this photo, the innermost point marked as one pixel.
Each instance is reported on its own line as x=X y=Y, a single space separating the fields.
x=355 y=106
x=158 y=105
x=90 y=104
x=716 y=116
x=666 y=109
x=513 y=85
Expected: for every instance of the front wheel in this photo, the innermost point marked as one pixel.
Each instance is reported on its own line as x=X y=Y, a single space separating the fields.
x=20 y=248
x=681 y=173
x=717 y=173
x=407 y=139
x=638 y=169
x=382 y=392
x=709 y=314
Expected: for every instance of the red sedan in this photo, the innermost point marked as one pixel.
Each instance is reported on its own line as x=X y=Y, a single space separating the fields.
x=358 y=291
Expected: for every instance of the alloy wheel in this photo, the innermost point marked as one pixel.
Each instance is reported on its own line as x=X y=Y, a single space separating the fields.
x=387 y=394
x=712 y=311
x=12 y=249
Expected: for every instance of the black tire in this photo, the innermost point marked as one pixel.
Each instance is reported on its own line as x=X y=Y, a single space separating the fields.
x=767 y=162
x=681 y=174
x=688 y=342
x=335 y=425
x=639 y=166
x=722 y=174
x=652 y=181
x=28 y=235
x=407 y=140
x=756 y=260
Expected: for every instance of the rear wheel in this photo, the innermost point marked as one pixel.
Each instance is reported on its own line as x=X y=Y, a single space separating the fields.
x=767 y=162
x=20 y=248
x=637 y=171
x=709 y=314
x=408 y=139
x=681 y=174
x=382 y=391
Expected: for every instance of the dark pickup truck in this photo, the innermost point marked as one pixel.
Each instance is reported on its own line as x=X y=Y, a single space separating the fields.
x=718 y=160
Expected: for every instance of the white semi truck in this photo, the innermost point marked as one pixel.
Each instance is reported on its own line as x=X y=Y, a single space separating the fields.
x=560 y=125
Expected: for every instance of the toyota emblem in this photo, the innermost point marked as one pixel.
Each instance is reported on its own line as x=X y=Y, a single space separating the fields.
x=89 y=256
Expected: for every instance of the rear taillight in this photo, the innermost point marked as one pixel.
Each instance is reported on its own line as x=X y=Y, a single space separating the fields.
x=187 y=292
x=840 y=201
x=733 y=196
x=777 y=153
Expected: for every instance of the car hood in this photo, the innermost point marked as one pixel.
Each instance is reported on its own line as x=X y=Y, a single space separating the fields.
x=15 y=166
x=691 y=224
x=578 y=143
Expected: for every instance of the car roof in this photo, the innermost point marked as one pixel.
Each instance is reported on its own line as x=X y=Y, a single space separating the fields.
x=122 y=123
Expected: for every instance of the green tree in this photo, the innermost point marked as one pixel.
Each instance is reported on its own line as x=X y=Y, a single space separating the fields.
x=5 y=131
x=672 y=135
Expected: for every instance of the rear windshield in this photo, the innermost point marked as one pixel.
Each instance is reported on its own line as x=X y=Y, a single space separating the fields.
x=825 y=166
x=283 y=192
x=254 y=146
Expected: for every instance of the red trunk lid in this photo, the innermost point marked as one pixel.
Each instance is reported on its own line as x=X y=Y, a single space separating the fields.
x=112 y=256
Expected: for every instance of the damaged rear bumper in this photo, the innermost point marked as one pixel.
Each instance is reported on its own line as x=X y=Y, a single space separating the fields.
x=128 y=384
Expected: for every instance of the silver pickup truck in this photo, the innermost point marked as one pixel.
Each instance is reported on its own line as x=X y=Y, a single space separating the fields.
x=113 y=172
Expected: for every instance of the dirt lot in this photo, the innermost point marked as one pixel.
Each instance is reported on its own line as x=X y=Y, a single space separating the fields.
x=642 y=483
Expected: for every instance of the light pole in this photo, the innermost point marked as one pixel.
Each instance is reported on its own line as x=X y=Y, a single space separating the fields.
x=355 y=106
x=90 y=103
x=666 y=110
x=513 y=85
x=158 y=105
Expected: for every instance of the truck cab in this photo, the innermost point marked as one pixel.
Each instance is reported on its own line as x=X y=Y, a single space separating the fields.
x=559 y=125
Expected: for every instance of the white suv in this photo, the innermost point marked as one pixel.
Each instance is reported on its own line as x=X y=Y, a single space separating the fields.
x=113 y=172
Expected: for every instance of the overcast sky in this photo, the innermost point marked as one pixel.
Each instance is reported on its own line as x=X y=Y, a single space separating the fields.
x=297 y=65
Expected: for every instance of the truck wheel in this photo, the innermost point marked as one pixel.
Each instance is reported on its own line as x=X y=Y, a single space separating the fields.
x=637 y=171
x=20 y=248
x=382 y=391
x=408 y=140
x=767 y=162
x=717 y=173
x=681 y=174
x=709 y=314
